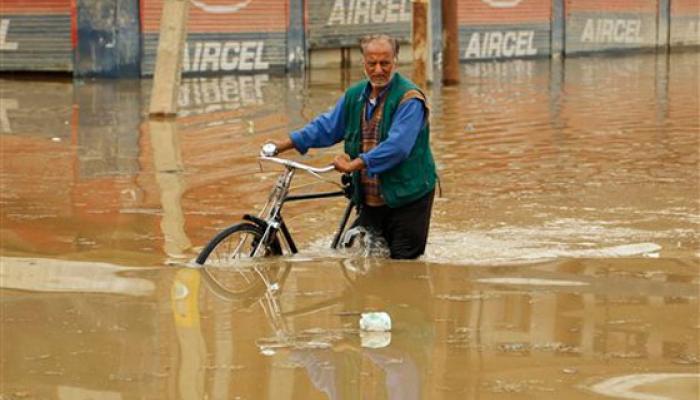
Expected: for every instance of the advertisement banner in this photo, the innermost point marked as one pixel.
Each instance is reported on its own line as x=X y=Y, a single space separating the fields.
x=597 y=25
x=341 y=23
x=502 y=29
x=223 y=36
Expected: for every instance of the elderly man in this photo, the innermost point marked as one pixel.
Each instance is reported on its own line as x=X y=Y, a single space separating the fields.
x=383 y=121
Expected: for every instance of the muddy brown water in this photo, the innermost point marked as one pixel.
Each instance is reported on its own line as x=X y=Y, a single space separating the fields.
x=563 y=259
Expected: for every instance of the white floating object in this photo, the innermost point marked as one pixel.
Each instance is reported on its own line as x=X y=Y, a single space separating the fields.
x=55 y=139
x=375 y=322
x=268 y=351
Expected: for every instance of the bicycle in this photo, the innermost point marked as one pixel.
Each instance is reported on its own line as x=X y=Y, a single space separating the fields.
x=267 y=233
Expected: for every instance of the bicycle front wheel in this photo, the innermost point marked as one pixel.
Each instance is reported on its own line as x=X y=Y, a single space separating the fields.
x=236 y=243
x=227 y=261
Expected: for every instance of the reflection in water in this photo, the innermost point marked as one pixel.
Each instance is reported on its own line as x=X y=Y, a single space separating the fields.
x=168 y=168
x=458 y=332
x=192 y=355
x=632 y=386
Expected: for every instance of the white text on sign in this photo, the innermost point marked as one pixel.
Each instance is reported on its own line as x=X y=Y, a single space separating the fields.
x=606 y=30
x=224 y=56
x=498 y=44
x=357 y=12
x=4 y=44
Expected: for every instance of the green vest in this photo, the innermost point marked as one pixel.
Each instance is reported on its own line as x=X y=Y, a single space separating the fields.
x=415 y=176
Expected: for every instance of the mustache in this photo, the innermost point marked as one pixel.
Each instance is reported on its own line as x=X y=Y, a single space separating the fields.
x=380 y=76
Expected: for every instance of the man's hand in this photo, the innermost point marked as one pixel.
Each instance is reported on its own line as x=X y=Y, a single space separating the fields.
x=281 y=145
x=343 y=163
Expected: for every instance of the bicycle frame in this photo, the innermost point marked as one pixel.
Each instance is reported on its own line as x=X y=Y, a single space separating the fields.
x=270 y=217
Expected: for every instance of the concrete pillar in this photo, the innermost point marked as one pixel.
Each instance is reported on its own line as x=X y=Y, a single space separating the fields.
x=450 y=43
x=296 y=44
x=419 y=40
x=663 y=23
x=435 y=26
x=171 y=40
x=558 y=28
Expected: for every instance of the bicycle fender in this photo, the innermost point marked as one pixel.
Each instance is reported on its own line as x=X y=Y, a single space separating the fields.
x=257 y=221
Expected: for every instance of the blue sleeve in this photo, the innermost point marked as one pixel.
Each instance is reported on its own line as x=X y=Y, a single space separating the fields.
x=324 y=131
x=408 y=121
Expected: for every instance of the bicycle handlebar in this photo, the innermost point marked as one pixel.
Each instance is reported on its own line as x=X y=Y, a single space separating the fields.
x=297 y=165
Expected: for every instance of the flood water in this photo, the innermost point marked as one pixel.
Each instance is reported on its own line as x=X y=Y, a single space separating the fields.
x=563 y=260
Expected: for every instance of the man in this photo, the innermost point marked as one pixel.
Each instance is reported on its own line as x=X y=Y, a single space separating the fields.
x=383 y=121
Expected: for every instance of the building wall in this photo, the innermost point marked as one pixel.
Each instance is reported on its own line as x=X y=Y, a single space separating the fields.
x=36 y=35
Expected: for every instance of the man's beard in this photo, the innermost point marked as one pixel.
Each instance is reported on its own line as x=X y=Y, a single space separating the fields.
x=380 y=85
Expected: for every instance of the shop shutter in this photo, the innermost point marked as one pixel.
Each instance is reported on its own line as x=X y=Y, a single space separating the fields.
x=36 y=35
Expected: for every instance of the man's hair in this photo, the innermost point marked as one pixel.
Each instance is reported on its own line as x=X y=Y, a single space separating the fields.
x=367 y=39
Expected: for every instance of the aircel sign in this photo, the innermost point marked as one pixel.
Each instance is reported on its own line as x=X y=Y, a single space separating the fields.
x=608 y=30
x=501 y=44
x=354 y=12
x=593 y=33
x=491 y=29
x=214 y=56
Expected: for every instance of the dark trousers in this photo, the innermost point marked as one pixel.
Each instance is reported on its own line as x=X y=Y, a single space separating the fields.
x=405 y=228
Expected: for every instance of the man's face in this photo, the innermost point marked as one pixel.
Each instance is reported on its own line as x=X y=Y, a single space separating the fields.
x=379 y=62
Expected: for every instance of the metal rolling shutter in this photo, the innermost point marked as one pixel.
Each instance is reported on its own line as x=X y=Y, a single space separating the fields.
x=501 y=29
x=340 y=23
x=685 y=23
x=36 y=35
x=598 y=25
x=224 y=36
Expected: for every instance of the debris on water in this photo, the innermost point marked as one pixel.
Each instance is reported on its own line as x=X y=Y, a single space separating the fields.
x=569 y=370
x=375 y=322
x=513 y=347
x=267 y=352
x=375 y=329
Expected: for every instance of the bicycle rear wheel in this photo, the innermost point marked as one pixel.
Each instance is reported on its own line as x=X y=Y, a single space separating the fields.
x=228 y=259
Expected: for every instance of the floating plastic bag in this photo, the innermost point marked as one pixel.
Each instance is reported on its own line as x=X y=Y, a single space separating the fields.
x=375 y=329
x=375 y=322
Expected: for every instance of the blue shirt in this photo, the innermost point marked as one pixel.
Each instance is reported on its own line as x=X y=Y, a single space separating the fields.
x=329 y=128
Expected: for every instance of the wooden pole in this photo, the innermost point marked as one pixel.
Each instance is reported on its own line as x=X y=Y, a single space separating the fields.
x=450 y=43
x=171 y=42
x=420 y=42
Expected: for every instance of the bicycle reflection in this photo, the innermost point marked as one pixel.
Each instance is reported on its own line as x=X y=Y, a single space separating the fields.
x=318 y=332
